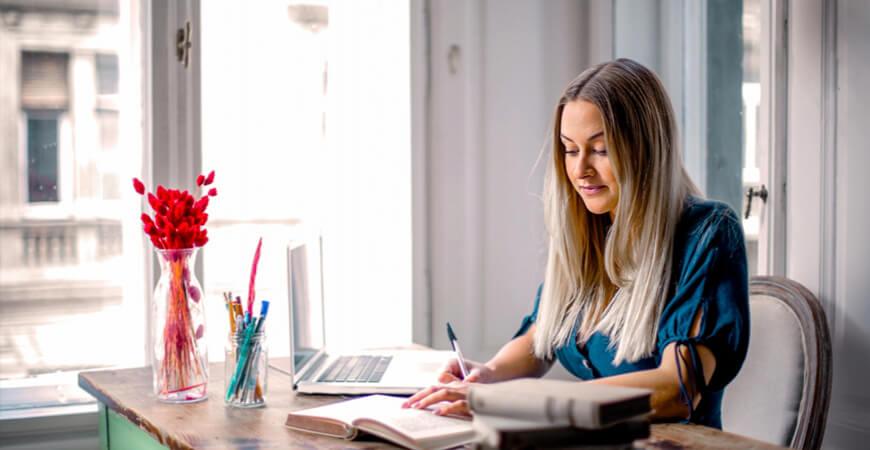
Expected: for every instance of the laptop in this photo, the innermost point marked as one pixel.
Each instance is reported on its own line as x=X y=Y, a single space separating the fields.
x=315 y=370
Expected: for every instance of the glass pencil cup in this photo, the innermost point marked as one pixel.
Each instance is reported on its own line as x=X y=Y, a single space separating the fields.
x=245 y=369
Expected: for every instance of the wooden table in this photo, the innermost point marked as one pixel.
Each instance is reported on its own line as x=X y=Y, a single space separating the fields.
x=131 y=417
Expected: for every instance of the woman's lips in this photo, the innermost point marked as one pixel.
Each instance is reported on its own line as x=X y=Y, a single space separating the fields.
x=591 y=190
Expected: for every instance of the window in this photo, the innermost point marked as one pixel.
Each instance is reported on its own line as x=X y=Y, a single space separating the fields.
x=44 y=97
x=42 y=156
x=107 y=73
x=71 y=266
x=707 y=54
x=265 y=140
x=751 y=91
x=306 y=120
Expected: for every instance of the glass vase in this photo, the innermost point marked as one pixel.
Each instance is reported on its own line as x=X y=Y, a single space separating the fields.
x=178 y=343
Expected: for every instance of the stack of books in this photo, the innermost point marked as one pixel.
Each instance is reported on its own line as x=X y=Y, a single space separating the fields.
x=535 y=413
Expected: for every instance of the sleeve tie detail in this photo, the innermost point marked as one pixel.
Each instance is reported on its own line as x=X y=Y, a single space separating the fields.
x=695 y=375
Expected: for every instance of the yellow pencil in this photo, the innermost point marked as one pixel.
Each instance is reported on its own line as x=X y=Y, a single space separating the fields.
x=228 y=297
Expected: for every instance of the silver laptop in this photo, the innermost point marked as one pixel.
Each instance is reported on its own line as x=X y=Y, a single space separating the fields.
x=315 y=370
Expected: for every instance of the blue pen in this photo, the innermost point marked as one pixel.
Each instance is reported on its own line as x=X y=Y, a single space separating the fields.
x=264 y=309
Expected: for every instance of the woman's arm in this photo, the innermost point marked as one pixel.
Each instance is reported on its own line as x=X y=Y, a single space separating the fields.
x=665 y=379
x=516 y=359
x=665 y=382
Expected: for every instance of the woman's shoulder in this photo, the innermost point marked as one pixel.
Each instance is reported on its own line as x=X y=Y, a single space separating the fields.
x=705 y=224
x=703 y=214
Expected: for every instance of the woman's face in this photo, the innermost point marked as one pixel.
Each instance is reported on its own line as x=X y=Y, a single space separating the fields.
x=586 y=160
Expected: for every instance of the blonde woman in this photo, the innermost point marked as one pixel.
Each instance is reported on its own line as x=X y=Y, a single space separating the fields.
x=646 y=283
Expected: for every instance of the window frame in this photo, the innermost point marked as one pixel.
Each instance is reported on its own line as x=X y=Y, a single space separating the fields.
x=157 y=68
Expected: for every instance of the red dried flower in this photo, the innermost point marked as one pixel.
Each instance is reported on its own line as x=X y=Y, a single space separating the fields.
x=154 y=202
x=179 y=218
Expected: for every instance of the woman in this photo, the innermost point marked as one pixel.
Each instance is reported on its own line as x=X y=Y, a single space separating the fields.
x=645 y=283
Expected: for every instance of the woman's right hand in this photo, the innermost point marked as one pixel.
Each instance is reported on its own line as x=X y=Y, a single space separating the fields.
x=477 y=372
x=452 y=389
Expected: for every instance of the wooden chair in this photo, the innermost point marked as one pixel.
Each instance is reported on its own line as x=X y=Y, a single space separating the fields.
x=781 y=394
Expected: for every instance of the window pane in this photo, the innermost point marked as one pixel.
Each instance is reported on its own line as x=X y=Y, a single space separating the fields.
x=264 y=138
x=751 y=104
x=733 y=98
x=42 y=159
x=71 y=252
x=107 y=73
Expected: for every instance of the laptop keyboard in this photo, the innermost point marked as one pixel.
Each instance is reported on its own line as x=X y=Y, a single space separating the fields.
x=356 y=369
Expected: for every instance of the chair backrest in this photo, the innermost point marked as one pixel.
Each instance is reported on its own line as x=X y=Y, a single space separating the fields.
x=781 y=394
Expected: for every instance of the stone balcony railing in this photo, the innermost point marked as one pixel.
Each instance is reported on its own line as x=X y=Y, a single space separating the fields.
x=46 y=243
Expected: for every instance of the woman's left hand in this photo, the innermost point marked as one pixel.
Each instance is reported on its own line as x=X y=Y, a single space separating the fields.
x=454 y=392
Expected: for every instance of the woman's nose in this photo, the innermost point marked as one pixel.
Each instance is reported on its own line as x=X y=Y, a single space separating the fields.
x=580 y=167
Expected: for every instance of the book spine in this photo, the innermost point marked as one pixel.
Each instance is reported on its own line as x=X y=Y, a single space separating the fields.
x=580 y=414
x=547 y=408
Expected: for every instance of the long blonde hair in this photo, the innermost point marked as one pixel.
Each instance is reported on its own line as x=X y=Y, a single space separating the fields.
x=615 y=275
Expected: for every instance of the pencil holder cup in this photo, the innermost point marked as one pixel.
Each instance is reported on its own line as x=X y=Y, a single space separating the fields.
x=245 y=369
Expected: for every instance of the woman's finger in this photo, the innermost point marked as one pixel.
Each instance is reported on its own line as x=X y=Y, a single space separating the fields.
x=457 y=408
x=419 y=395
x=447 y=377
x=473 y=376
x=442 y=395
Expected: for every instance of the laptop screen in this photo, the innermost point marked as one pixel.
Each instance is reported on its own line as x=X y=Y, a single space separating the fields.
x=306 y=300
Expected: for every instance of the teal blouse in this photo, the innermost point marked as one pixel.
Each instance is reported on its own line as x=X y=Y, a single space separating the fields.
x=710 y=273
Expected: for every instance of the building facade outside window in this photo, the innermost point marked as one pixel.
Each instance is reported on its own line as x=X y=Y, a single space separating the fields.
x=65 y=300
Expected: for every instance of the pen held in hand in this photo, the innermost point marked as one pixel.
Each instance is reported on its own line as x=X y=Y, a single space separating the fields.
x=455 y=343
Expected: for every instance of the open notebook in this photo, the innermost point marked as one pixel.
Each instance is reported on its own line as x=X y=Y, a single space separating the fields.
x=316 y=370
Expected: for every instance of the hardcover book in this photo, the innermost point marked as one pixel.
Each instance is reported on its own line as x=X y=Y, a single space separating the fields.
x=578 y=404
x=502 y=432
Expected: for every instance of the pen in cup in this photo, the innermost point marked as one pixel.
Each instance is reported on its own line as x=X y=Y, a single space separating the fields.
x=453 y=342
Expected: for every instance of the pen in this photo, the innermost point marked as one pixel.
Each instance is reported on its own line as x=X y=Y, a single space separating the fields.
x=264 y=309
x=455 y=345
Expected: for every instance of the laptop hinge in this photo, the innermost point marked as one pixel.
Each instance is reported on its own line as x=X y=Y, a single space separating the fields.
x=313 y=368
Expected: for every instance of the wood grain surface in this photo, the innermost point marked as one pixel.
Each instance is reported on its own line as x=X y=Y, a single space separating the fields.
x=211 y=424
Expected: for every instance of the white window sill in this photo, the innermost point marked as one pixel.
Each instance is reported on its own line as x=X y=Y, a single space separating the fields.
x=57 y=427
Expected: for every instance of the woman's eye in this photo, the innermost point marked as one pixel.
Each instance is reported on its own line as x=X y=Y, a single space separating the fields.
x=603 y=151
x=571 y=152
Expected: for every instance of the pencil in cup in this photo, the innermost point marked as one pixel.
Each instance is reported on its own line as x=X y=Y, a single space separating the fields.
x=245 y=368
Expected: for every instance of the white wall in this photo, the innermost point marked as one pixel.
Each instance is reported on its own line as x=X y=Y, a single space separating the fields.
x=828 y=249
x=849 y=417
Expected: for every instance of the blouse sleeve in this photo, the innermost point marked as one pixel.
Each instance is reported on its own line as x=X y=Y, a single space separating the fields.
x=530 y=319
x=712 y=277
